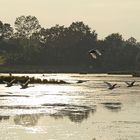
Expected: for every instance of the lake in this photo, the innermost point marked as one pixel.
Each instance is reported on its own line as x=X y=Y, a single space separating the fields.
x=85 y=110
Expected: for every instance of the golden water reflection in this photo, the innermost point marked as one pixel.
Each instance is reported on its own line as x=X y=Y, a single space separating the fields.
x=84 y=111
x=114 y=107
x=73 y=114
x=27 y=119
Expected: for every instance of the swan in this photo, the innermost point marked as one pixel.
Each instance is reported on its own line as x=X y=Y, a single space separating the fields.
x=25 y=85
x=9 y=84
x=110 y=86
x=94 y=53
x=130 y=84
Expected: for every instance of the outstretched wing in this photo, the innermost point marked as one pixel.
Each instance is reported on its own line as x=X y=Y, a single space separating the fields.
x=12 y=81
x=93 y=55
x=127 y=83
x=92 y=51
x=27 y=82
x=97 y=51
x=21 y=84
x=132 y=83
x=108 y=84
x=114 y=85
x=24 y=85
x=5 y=82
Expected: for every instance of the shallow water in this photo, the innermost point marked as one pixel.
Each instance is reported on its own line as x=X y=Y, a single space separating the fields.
x=84 y=111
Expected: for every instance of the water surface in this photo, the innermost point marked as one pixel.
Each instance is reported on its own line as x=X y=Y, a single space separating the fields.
x=87 y=110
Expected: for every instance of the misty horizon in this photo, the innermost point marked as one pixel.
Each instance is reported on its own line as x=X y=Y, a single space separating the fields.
x=105 y=17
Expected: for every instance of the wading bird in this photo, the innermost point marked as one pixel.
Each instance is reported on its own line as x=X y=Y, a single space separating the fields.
x=9 y=84
x=25 y=85
x=94 y=53
x=110 y=86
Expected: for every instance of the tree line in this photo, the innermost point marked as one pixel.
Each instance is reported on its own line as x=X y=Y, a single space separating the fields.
x=30 y=44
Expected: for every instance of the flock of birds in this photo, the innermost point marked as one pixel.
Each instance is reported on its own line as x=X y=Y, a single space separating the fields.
x=94 y=53
x=23 y=85
x=110 y=86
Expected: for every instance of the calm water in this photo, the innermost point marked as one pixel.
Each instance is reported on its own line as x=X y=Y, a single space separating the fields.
x=74 y=111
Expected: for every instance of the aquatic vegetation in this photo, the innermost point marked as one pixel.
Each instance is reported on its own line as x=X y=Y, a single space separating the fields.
x=23 y=79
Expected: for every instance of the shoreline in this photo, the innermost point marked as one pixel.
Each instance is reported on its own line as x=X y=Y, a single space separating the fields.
x=32 y=69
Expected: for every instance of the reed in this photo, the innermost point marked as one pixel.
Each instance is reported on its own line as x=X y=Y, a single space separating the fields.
x=22 y=79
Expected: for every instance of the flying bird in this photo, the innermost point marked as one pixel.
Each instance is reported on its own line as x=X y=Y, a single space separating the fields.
x=25 y=85
x=110 y=86
x=130 y=84
x=9 y=84
x=95 y=53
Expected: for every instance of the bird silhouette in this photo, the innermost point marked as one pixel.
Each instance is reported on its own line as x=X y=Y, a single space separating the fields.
x=110 y=86
x=95 y=53
x=9 y=84
x=130 y=84
x=25 y=85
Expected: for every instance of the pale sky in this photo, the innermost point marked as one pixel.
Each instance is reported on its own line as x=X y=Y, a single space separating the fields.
x=104 y=16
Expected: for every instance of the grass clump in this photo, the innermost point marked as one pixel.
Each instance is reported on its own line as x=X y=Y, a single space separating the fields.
x=23 y=79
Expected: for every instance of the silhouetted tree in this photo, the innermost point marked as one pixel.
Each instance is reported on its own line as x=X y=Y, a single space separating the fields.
x=6 y=31
x=26 y=25
x=65 y=46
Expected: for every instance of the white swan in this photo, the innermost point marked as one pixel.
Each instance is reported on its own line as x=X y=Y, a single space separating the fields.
x=25 y=85
x=94 y=53
x=9 y=84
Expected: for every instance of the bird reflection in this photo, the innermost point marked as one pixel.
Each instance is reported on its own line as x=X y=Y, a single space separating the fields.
x=79 y=116
x=114 y=107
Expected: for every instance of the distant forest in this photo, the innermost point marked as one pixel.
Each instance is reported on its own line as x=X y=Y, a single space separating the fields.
x=30 y=44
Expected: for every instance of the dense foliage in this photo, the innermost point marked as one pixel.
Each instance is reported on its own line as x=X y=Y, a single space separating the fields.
x=30 y=44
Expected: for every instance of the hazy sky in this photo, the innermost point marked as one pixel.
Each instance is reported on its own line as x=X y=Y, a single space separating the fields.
x=104 y=16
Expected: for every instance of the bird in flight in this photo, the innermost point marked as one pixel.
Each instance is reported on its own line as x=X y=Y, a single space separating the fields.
x=25 y=85
x=95 y=53
x=9 y=84
x=110 y=86
x=130 y=84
